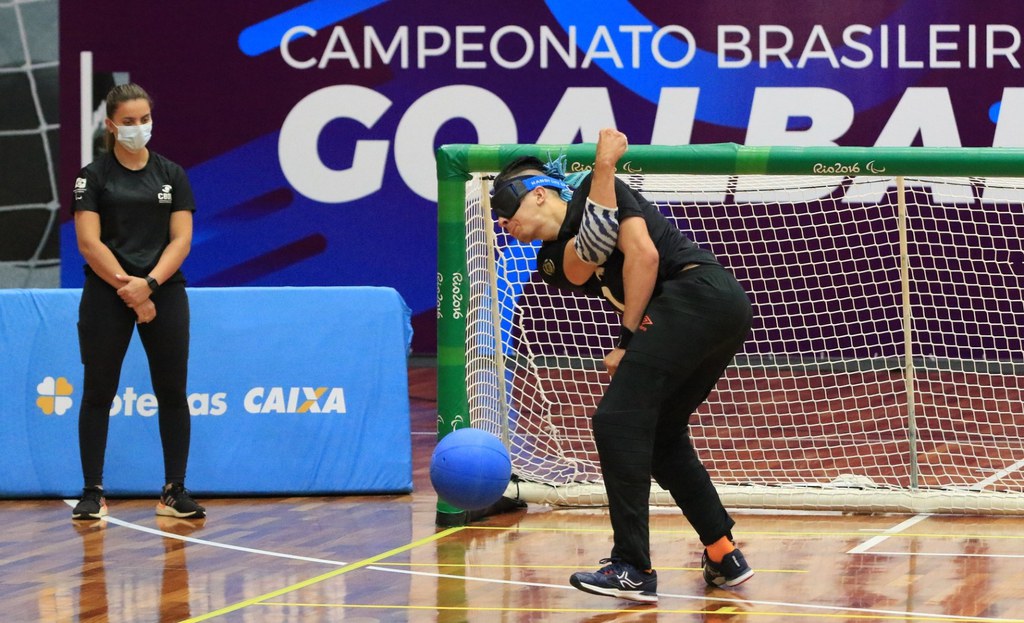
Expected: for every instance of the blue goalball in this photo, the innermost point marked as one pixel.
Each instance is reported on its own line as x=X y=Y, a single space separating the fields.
x=470 y=469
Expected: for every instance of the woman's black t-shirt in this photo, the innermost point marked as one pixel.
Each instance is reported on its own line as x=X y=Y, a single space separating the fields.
x=135 y=207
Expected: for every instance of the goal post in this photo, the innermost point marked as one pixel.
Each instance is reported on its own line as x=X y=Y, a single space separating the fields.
x=885 y=367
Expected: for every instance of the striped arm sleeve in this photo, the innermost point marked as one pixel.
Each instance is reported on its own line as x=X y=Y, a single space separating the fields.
x=598 y=233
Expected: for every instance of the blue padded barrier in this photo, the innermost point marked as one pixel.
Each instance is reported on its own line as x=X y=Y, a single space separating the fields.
x=293 y=391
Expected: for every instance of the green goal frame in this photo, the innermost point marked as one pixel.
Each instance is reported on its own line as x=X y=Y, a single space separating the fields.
x=456 y=165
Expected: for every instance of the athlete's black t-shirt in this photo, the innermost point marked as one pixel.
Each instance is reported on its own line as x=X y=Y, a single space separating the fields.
x=675 y=249
x=134 y=207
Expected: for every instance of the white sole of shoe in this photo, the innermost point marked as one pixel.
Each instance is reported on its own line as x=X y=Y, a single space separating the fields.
x=646 y=598
x=739 y=579
x=87 y=516
x=168 y=511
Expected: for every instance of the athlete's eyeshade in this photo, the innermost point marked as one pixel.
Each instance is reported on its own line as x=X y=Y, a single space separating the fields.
x=506 y=197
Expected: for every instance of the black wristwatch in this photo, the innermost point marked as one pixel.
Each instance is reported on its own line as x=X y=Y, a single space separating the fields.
x=153 y=285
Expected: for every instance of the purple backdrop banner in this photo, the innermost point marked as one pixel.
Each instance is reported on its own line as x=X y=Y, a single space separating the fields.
x=308 y=128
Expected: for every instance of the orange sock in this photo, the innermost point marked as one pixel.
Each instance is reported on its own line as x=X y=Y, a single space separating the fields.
x=720 y=549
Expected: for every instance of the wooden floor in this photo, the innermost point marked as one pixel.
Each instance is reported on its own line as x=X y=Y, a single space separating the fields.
x=382 y=559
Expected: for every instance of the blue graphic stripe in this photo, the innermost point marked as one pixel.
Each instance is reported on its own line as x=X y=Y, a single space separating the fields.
x=266 y=35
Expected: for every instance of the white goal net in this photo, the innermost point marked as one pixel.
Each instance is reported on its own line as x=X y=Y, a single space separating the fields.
x=883 y=371
x=29 y=206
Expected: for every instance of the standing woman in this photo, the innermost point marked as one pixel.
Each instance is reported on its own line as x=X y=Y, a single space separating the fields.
x=133 y=221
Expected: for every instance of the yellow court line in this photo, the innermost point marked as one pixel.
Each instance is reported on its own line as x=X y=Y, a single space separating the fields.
x=320 y=578
x=745 y=533
x=468 y=565
x=723 y=610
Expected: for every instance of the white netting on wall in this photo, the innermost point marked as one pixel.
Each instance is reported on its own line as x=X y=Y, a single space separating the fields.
x=823 y=398
x=29 y=245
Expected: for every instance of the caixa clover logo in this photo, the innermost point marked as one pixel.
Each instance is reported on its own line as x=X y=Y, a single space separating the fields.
x=54 y=395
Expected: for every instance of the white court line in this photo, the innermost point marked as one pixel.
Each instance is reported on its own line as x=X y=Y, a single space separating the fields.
x=996 y=477
x=238 y=548
x=949 y=555
x=704 y=598
x=873 y=541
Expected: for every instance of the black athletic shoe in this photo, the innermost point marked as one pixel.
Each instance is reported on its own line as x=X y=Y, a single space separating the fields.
x=92 y=505
x=618 y=579
x=732 y=571
x=175 y=501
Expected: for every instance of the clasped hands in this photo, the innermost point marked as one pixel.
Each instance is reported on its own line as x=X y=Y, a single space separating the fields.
x=135 y=294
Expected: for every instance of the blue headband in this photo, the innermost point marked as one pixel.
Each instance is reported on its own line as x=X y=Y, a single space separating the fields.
x=505 y=200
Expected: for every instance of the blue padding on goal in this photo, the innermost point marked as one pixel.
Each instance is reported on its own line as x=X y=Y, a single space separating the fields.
x=292 y=390
x=517 y=265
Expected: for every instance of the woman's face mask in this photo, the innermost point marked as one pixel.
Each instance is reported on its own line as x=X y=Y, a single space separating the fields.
x=134 y=137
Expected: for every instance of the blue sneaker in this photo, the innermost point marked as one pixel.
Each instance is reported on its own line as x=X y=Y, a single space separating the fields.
x=732 y=571
x=618 y=579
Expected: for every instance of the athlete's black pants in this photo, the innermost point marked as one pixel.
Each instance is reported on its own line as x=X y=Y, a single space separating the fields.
x=105 y=326
x=699 y=320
